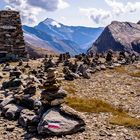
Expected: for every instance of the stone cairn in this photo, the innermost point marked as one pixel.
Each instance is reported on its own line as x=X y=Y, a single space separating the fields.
x=89 y=64
x=53 y=95
x=42 y=113
x=12 y=44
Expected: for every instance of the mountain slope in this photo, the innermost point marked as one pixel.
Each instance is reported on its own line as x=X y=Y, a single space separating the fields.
x=118 y=36
x=36 y=47
x=56 y=44
x=62 y=38
x=78 y=34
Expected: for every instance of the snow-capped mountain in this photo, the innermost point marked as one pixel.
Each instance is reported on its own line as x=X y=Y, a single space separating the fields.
x=62 y=38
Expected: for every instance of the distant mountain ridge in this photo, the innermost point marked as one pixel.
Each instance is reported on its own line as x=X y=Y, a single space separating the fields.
x=118 y=36
x=61 y=38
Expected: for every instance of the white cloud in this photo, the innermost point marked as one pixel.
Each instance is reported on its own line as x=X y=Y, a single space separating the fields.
x=97 y=15
x=100 y=16
x=119 y=8
x=30 y=9
x=62 y=4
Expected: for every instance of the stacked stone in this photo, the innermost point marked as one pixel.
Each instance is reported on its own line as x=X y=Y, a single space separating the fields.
x=53 y=95
x=48 y=63
x=43 y=114
x=11 y=42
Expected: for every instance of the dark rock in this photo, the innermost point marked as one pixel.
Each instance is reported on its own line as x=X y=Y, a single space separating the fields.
x=15 y=73
x=83 y=70
x=27 y=66
x=10 y=128
x=13 y=83
x=28 y=118
x=25 y=100
x=12 y=111
x=48 y=64
x=138 y=22
x=31 y=89
x=69 y=75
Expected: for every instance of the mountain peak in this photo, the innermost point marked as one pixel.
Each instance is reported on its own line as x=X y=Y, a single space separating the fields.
x=52 y=22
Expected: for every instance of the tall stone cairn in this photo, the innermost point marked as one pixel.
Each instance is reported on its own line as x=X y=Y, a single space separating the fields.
x=11 y=35
x=52 y=94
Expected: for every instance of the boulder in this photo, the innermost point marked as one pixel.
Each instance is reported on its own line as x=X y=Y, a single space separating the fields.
x=13 y=83
x=28 y=118
x=57 y=121
x=12 y=111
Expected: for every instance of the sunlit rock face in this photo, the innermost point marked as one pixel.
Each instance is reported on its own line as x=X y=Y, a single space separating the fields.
x=118 y=36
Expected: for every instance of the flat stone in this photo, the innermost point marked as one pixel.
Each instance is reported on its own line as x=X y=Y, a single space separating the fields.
x=6 y=101
x=54 y=94
x=57 y=102
x=103 y=67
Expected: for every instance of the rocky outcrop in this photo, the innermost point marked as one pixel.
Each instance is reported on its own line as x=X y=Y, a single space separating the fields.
x=118 y=36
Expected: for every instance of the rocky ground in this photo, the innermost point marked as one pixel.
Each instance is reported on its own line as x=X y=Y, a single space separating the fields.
x=119 y=87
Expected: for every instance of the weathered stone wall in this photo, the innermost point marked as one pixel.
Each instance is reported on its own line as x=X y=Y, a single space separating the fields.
x=11 y=35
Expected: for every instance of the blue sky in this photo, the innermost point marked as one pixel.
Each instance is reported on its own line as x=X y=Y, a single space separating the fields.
x=93 y=13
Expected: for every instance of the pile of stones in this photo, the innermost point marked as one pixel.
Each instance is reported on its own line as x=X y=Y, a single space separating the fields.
x=39 y=110
x=12 y=44
x=89 y=65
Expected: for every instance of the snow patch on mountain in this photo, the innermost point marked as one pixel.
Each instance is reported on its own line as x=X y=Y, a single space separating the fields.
x=54 y=23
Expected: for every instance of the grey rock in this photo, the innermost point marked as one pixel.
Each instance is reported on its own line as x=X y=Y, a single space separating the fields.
x=6 y=101
x=58 y=122
x=57 y=102
x=28 y=118
x=103 y=67
x=12 y=111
